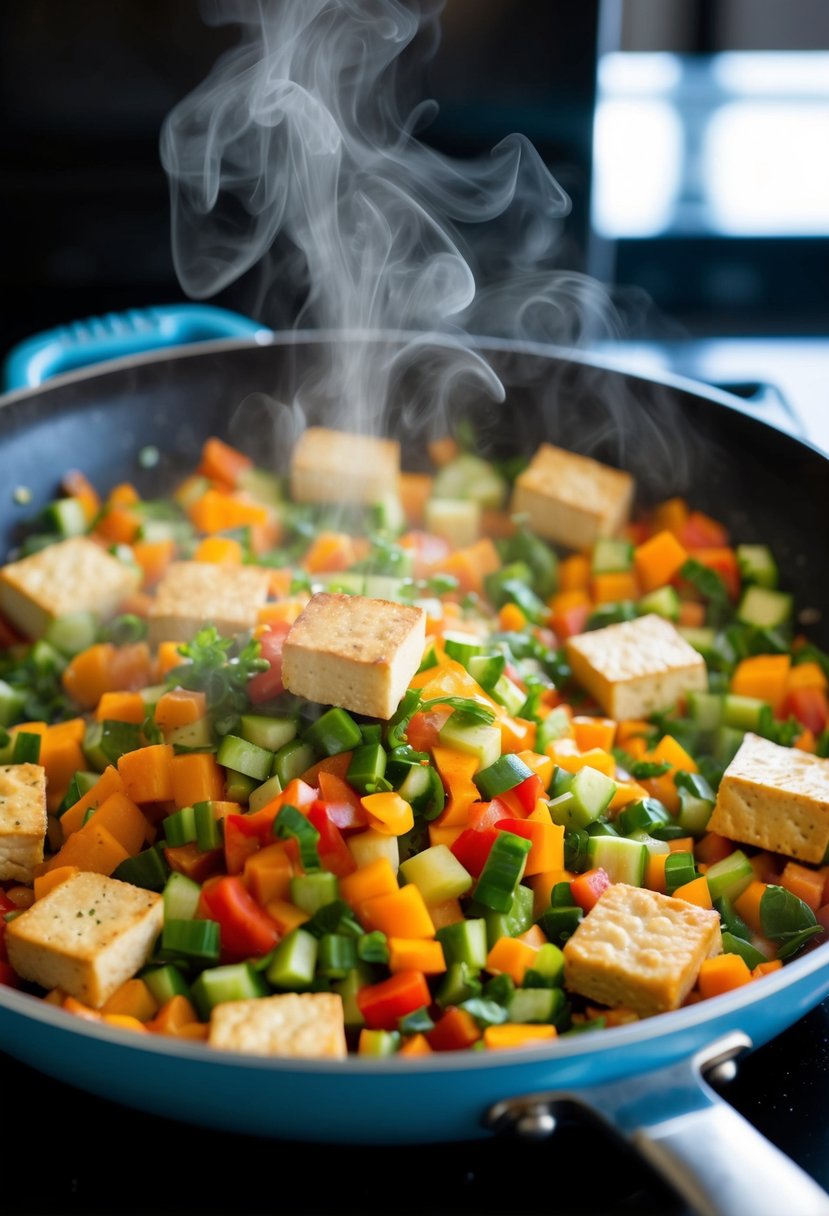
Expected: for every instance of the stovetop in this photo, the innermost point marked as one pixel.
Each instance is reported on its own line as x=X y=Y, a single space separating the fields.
x=96 y=1157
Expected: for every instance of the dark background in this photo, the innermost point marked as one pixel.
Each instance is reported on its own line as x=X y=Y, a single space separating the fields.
x=84 y=87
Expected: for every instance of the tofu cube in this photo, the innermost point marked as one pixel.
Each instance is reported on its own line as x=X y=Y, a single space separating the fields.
x=23 y=820
x=640 y=949
x=191 y=595
x=776 y=798
x=338 y=466
x=298 y=1025
x=636 y=667
x=87 y=936
x=572 y=500
x=75 y=575
x=355 y=652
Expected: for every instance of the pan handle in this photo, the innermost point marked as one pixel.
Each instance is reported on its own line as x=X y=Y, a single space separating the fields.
x=115 y=335
x=692 y=1138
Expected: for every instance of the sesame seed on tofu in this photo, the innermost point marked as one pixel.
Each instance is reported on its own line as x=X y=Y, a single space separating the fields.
x=640 y=949
x=301 y=1025
x=87 y=936
x=570 y=499
x=23 y=820
x=338 y=466
x=193 y=594
x=353 y=651
x=776 y=798
x=636 y=667
x=74 y=575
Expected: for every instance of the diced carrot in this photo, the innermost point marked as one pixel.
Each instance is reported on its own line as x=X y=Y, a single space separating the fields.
x=614 y=587
x=805 y=883
x=329 y=552
x=573 y=762
x=747 y=905
x=388 y=813
x=771 y=965
x=108 y=783
x=655 y=872
x=77 y=485
x=402 y=913
x=415 y=1045
x=669 y=751
x=93 y=848
x=194 y=862
x=695 y=892
x=511 y=619
x=132 y=666
x=547 y=844
x=574 y=573
x=764 y=676
x=80 y=1010
x=153 y=556
x=222 y=462
x=88 y=674
x=147 y=773
x=722 y=974
x=123 y=495
x=447 y=913
x=268 y=872
x=681 y=844
x=456 y=771
x=470 y=565
x=712 y=847
x=670 y=516
x=220 y=551
x=283 y=611
x=511 y=957
x=21 y=896
x=455 y=1030
x=543 y=766
x=691 y=614
x=442 y=450
x=287 y=915
x=631 y=728
x=806 y=675
x=121 y=707
x=119 y=815
x=658 y=559
x=167 y=657
x=216 y=511
x=132 y=999
x=498 y=524
x=414 y=490
x=196 y=777
x=47 y=881
x=174 y=1014
x=518 y=1034
x=376 y=878
x=179 y=707
x=118 y=525
x=542 y=886
x=62 y=755
x=415 y=954
x=593 y=732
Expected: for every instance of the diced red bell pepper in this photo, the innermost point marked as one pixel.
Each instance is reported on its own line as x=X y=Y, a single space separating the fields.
x=268 y=684
x=586 y=889
x=333 y=852
x=422 y=731
x=241 y=840
x=297 y=793
x=724 y=562
x=188 y=859
x=246 y=928
x=810 y=706
x=342 y=803
x=455 y=1030
x=700 y=531
x=486 y=814
x=6 y=904
x=383 y=1005
x=528 y=792
x=472 y=848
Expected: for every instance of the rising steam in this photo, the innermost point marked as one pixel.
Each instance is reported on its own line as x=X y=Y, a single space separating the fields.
x=297 y=155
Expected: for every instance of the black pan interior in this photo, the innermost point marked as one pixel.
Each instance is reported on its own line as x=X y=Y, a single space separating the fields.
x=765 y=485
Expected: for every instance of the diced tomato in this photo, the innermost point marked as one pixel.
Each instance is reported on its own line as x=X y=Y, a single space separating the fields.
x=342 y=803
x=268 y=684
x=587 y=887
x=334 y=853
x=472 y=847
x=242 y=840
x=810 y=706
x=246 y=928
x=422 y=731
x=190 y=860
x=570 y=621
x=700 y=531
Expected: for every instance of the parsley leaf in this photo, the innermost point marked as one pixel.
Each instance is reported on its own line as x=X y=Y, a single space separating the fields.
x=220 y=668
x=788 y=920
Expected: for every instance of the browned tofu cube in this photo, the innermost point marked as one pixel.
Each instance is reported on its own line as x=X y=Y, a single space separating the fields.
x=636 y=667
x=87 y=936
x=640 y=949
x=355 y=652
x=75 y=575
x=338 y=466
x=22 y=820
x=299 y=1025
x=570 y=499
x=193 y=594
x=776 y=798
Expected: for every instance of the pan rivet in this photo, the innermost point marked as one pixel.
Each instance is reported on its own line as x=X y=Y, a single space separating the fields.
x=535 y=1123
x=722 y=1073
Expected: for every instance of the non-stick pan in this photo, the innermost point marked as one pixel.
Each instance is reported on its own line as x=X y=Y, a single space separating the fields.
x=647 y=1080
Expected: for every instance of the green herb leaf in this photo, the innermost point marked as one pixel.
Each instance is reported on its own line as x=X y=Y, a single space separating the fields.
x=786 y=919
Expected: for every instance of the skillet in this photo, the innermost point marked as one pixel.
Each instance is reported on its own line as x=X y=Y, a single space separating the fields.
x=646 y=1079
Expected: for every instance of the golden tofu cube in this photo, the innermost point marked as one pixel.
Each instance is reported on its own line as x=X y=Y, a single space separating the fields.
x=776 y=798
x=338 y=466
x=640 y=949
x=87 y=936
x=74 y=575
x=355 y=652
x=570 y=499
x=298 y=1025
x=191 y=595
x=23 y=820
x=636 y=667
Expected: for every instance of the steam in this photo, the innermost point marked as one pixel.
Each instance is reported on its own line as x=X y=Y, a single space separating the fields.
x=297 y=159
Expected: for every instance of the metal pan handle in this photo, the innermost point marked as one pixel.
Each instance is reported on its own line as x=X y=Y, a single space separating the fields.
x=115 y=335
x=692 y=1138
